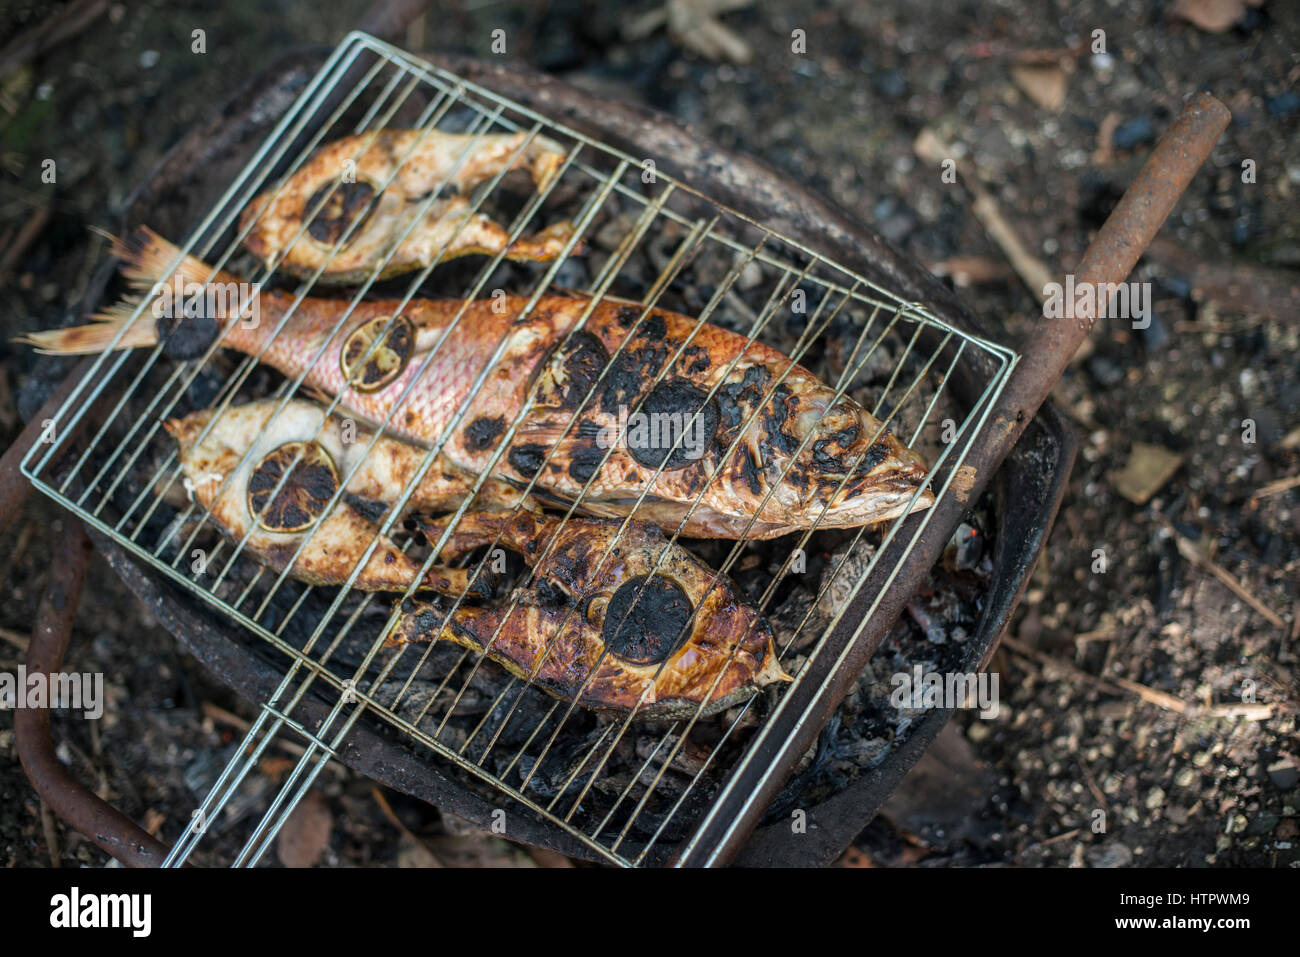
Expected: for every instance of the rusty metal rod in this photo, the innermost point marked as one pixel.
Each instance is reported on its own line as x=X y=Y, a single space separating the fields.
x=1109 y=258
x=14 y=487
x=71 y=800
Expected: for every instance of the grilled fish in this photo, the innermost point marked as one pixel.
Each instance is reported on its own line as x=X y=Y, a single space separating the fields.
x=659 y=401
x=359 y=222
x=603 y=625
x=237 y=472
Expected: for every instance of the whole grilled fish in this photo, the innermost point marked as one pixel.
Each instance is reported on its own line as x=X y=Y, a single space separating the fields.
x=636 y=623
x=358 y=223
x=648 y=439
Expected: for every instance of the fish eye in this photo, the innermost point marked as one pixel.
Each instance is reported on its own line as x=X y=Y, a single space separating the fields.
x=343 y=203
x=368 y=367
x=301 y=500
x=646 y=620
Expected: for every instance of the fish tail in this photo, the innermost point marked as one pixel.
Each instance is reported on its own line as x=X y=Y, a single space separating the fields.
x=149 y=259
x=147 y=263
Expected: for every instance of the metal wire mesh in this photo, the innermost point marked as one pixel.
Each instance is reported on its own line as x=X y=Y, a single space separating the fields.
x=622 y=786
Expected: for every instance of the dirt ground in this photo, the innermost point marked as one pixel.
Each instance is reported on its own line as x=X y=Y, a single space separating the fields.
x=1148 y=710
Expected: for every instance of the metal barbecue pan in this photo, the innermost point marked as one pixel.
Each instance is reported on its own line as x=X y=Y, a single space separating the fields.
x=1033 y=476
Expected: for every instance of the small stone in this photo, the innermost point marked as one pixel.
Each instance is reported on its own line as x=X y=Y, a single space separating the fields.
x=1133 y=133
x=1113 y=854
x=750 y=277
x=1283 y=774
x=891 y=84
x=1283 y=103
x=1184 y=777
x=1107 y=373
x=1155 y=798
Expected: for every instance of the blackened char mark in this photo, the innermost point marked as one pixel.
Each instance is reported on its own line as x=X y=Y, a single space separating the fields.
x=749 y=469
x=737 y=399
x=549 y=594
x=345 y=202
x=527 y=459
x=583 y=358
x=695 y=360
x=874 y=455
x=638 y=365
x=683 y=441
x=647 y=619
x=482 y=433
x=841 y=440
x=775 y=418
x=584 y=463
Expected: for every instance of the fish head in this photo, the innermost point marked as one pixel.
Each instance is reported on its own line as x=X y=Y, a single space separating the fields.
x=811 y=456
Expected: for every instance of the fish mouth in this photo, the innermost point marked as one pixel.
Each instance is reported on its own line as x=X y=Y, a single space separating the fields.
x=880 y=495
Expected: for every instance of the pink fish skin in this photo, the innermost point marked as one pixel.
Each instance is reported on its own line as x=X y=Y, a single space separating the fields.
x=802 y=456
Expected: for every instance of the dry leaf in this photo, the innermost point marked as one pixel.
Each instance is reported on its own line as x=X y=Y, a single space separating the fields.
x=1044 y=84
x=1212 y=16
x=306 y=834
x=1149 y=467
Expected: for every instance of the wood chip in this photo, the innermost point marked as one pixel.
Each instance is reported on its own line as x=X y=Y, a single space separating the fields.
x=1212 y=16
x=1104 y=154
x=305 y=837
x=971 y=270
x=1044 y=84
x=1149 y=467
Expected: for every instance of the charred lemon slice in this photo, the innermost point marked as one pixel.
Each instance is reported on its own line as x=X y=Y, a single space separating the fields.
x=368 y=367
x=312 y=481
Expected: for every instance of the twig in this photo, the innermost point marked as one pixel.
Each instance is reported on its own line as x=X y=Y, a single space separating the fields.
x=1191 y=553
x=387 y=811
x=1033 y=272
x=51 y=834
x=1252 y=712
x=27 y=235
x=1048 y=843
x=64 y=25
x=15 y=638
x=1276 y=487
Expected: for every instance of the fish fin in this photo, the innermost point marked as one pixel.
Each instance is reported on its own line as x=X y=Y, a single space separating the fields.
x=147 y=261
x=771 y=672
x=94 y=338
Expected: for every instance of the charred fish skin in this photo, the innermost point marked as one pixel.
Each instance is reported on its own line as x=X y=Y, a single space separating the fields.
x=458 y=374
x=349 y=208
x=613 y=622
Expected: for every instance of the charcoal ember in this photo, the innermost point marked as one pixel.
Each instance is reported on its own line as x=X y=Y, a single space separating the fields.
x=847 y=565
x=965 y=548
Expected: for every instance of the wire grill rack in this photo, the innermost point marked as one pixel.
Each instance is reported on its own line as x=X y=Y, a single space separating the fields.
x=500 y=735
